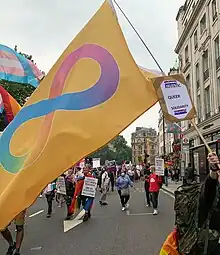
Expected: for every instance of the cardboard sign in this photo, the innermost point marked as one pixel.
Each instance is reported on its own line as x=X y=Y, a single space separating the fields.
x=89 y=187
x=96 y=162
x=159 y=166
x=174 y=98
x=61 y=186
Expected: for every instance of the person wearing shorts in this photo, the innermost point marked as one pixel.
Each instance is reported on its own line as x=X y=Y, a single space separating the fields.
x=15 y=246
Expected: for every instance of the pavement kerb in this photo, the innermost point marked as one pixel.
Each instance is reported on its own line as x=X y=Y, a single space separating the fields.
x=168 y=190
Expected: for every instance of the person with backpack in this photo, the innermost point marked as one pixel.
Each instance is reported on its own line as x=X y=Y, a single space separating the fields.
x=123 y=183
x=197 y=209
x=155 y=183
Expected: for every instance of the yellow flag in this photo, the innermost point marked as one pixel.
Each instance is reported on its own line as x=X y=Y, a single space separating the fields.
x=93 y=92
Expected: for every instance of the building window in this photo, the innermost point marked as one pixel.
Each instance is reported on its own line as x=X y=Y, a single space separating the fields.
x=188 y=83
x=197 y=76
x=207 y=102
x=214 y=10
x=205 y=61
x=218 y=90
x=199 y=108
x=203 y=24
x=196 y=40
x=217 y=52
x=186 y=54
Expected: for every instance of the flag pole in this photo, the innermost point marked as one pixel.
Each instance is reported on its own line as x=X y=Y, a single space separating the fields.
x=155 y=60
x=157 y=63
x=139 y=36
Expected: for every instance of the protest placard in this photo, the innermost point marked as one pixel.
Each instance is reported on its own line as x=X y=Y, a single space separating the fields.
x=96 y=162
x=61 y=186
x=174 y=98
x=159 y=166
x=89 y=187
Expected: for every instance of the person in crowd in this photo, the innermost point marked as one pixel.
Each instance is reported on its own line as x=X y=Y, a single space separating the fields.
x=79 y=199
x=131 y=173
x=166 y=175
x=147 y=187
x=15 y=246
x=197 y=212
x=112 y=179
x=104 y=187
x=50 y=194
x=154 y=188
x=189 y=173
x=123 y=183
x=70 y=180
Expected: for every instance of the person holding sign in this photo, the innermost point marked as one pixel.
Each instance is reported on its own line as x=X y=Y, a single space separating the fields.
x=155 y=185
x=83 y=196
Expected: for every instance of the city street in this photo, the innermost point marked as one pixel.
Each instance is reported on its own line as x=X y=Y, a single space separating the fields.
x=110 y=231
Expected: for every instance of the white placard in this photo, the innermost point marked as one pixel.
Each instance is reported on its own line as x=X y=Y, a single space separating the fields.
x=96 y=162
x=89 y=187
x=177 y=98
x=159 y=166
x=61 y=186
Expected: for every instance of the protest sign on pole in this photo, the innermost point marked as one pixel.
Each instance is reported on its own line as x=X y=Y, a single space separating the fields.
x=174 y=98
x=89 y=187
x=159 y=166
x=96 y=162
x=61 y=186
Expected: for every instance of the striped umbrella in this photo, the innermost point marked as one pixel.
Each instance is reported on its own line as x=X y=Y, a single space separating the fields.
x=16 y=68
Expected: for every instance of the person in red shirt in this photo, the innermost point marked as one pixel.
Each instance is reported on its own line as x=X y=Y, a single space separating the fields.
x=154 y=188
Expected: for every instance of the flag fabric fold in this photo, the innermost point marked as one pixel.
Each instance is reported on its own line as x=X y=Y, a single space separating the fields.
x=92 y=93
x=9 y=105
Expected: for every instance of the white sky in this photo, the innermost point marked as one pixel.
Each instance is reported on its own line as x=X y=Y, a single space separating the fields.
x=44 y=28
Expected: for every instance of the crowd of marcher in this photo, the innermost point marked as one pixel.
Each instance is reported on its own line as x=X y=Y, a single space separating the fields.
x=197 y=206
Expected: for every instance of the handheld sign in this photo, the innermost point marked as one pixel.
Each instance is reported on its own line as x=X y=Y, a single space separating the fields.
x=159 y=166
x=96 y=162
x=174 y=98
x=61 y=186
x=89 y=187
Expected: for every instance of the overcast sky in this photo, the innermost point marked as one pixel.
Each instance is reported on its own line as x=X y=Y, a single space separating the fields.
x=44 y=28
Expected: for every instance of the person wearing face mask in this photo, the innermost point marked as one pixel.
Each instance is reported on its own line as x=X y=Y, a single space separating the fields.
x=123 y=184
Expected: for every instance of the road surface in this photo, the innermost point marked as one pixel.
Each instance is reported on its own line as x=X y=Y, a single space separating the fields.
x=109 y=232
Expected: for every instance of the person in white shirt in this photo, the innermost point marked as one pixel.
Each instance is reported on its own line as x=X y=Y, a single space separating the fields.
x=105 y=181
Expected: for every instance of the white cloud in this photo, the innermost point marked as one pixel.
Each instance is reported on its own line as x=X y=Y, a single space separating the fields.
x=44 y=28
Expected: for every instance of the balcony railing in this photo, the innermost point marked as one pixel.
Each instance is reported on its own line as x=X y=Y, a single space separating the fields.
x=206 y=75
x=218 y=63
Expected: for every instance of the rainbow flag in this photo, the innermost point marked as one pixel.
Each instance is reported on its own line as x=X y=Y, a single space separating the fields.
x=170 y=246
x=16 y=68
x=9 y=104
x=92 y=93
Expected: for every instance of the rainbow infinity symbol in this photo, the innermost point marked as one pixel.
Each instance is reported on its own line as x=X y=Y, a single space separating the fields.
x=102 y=91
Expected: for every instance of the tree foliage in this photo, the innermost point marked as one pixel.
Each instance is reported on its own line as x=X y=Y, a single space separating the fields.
x=117 y=150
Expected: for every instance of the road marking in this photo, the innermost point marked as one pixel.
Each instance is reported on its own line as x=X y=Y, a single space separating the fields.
x=36 y=248
x=139 y=214
x=70 y=224
x=80 y=215
x=167 y=193
x=34 y=214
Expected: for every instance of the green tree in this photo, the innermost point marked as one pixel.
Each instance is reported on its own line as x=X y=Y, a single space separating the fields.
x=118 y=150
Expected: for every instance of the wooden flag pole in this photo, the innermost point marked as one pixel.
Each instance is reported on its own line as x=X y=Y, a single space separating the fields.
x=201 y=136
x=157 y=63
